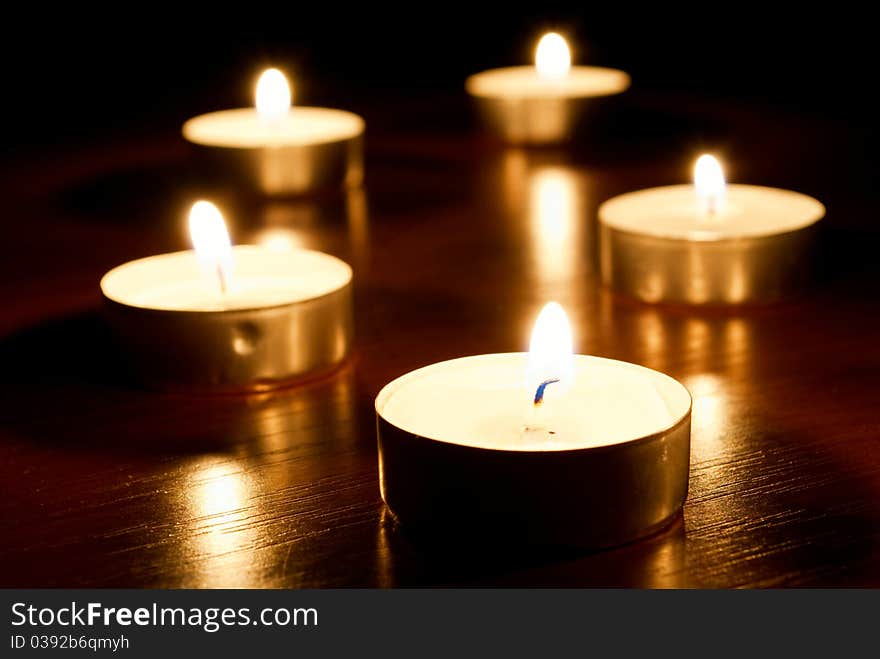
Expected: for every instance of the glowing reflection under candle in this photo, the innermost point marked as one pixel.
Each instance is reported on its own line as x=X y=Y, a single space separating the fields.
x=556 y=224
x=221 y=539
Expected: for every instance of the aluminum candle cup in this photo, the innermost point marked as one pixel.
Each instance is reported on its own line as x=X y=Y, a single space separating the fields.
x=308 y=150
x=710 y=264
x=545 y=103
x=286 y=316
x=520 y=108
x=279 y=150
x=609 y=462
x=708 y=243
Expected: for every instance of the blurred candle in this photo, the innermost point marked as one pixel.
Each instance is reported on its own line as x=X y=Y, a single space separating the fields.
x=542 y=103
x=277 y=148
x=709 y=242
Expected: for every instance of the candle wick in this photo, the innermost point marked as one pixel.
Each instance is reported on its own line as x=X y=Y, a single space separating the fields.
x=711 y=205
x=222 y=277
x=535 y=422
x=539 y=392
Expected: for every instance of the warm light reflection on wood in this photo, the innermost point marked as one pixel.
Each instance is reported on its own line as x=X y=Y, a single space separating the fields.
x=316 y=223
x=707 y=350
x=549 y=199
x=227 y=501
x=556 y=223
x=709 y=414
x=652 y=331
x=219 y=495
x=278 y=239
x=358 y=226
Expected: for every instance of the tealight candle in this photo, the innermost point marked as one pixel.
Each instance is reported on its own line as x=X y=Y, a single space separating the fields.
x=223 y=317
x=546 y=447
x=278 y=149
x=543 y=103
x=707 y=243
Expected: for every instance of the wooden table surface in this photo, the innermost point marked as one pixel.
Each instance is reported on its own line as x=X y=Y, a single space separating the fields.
x=456 y=244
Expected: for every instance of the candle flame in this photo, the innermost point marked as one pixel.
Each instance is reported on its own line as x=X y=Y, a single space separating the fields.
x=551 y=355
x=552 y=56
x=709 y=181
x=273 y=94
x=211 y=241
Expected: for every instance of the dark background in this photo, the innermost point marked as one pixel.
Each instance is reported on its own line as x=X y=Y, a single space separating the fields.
x=72 y=73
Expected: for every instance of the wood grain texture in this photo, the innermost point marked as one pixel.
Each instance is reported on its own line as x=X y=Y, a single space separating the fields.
x=456 y=245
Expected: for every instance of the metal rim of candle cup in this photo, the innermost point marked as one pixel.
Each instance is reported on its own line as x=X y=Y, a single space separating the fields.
x=287 y=170
x=234 y=351
x=587 y=498
x=730 y=271
x=534 y=120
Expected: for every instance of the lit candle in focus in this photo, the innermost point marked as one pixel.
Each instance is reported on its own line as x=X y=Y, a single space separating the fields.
x=508 y=445
x=488 y=400
x=220 y=316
